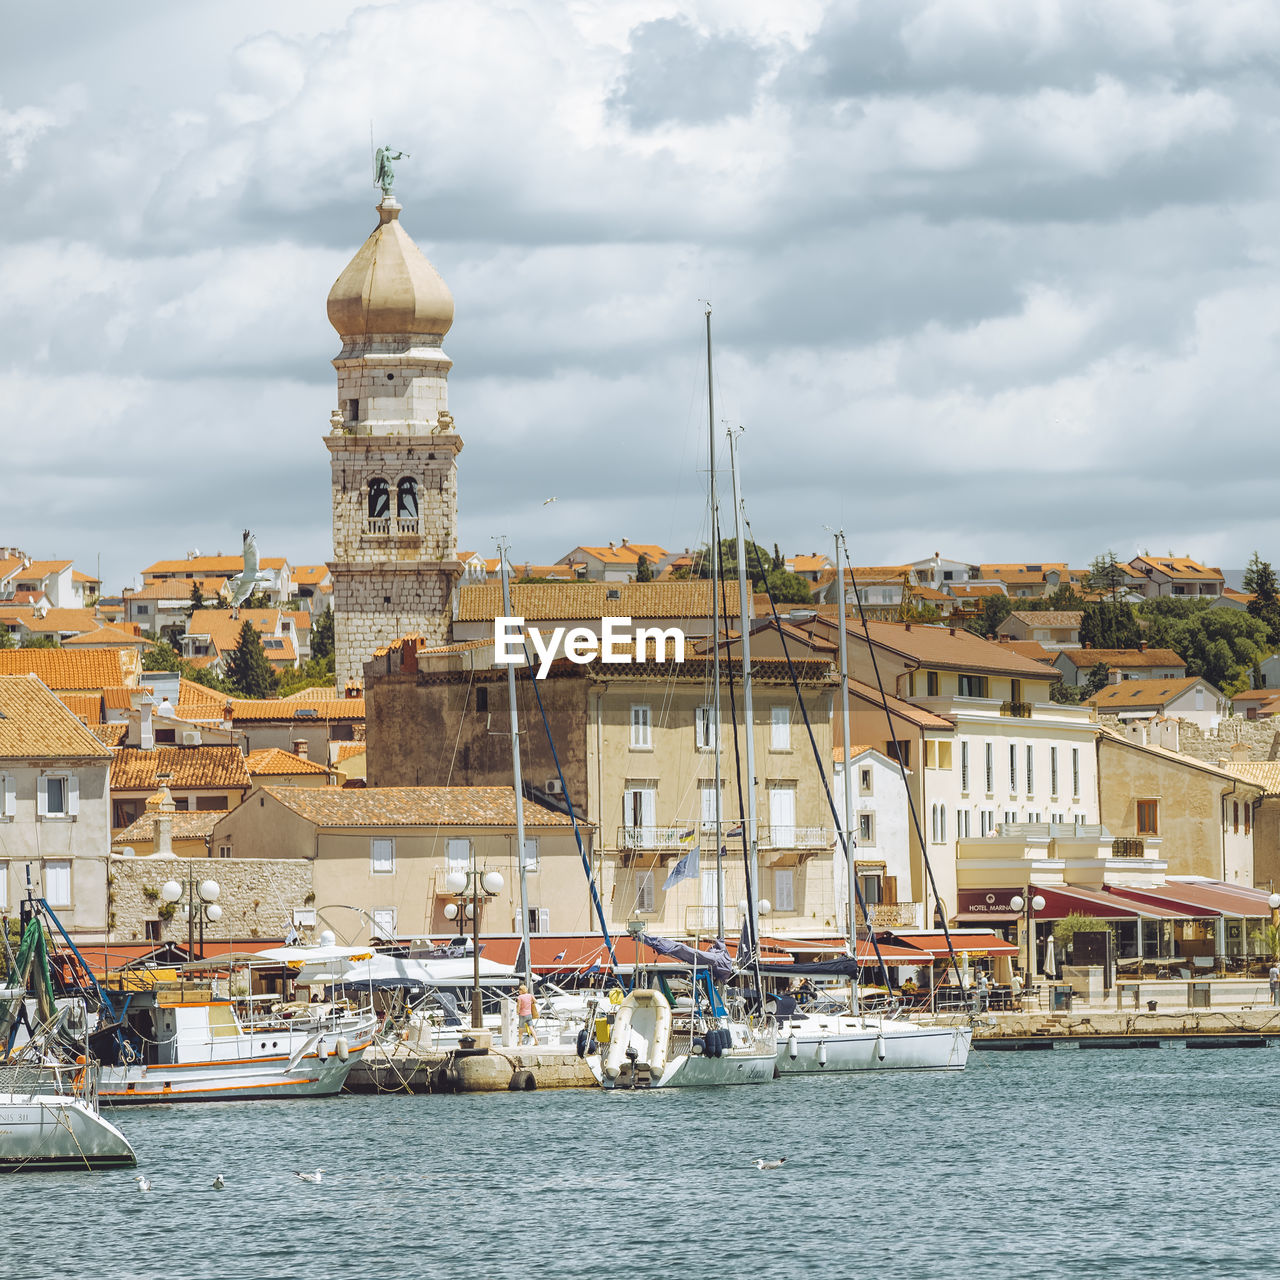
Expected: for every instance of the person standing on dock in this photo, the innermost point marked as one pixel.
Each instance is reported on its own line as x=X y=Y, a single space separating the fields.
x=527 y=1011
x=1273 y=976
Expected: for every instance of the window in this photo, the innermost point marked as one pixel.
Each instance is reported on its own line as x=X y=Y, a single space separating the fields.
x=991 y=768
x=1075 y=772
x=1011 y=816
x=458 y=855
x=57 y=795
x=709 y=887
x=382 y=856
x=703 y=734
x=1199 y=698
x=1053 y=771
x=782 y=815
x=1248 y=813
x=57 y=882
x=780 y=729
x=224 y=851
x=209 y=803
x=1031 y=770
x=379 y=499
x=639 y=815
x=4 y=886
x=641 y=727
x=986 y=822
x=1013 y=767
x=933 y=814
x=972 y=686
x=166 y=737
x=900 y=751
x=152 y=928
x=707 y=805
x=530 y=861
x=962 y=824
x=931 y=683
x=644 y=891
x=407 y=498
x=384 y=923
x=964 y=767
x=864 y=782
x=1015 y=690
x=784 y=889
x=1148 y=817
x=482 y=699
x=866 y=828
x=872 y=887
x=1235 y=817
x=539 y=920
x=8 y=796
x=942 y=814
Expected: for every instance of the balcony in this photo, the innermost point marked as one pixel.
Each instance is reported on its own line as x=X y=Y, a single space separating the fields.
x=703 y=919
x=378 y=525
x=675 y=839
x=385 y=526
x=1020 y=709
x=813 y=838
x=893 y=915
x=1128 y=847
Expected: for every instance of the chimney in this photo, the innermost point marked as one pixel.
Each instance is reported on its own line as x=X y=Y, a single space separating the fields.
x=300 y=748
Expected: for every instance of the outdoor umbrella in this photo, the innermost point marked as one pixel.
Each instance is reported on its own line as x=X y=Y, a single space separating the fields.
x=1050 y=959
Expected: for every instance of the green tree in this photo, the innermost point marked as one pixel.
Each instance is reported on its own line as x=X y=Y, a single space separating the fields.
x=318 y=673
x=6 y=637
x=1106 y=576
x=322 y=635
x=789 y=588
x=1260 y=582
x=43 y=642
x=644 y=570
x=995 y=609
x=1221 y=645
x=197 y=598
x=161 y=656
x=779 y=560
x=1109 y=624
x=1098 y=678
x=1064 y=598
x=248 y=671
x=758 y=561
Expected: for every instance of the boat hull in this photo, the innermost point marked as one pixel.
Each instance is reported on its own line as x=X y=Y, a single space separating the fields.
x=696 y=1071
x=53 y=1131
x=870 y=1044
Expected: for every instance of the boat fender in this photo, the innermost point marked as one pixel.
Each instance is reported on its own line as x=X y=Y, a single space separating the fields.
x=721 y=1036
x=322 y=1051
x=582 y=1043
x=699 y=1046
x=523 y=1081
x=342 y=1049
x=822 y=1053
x=880 y=1047
x=793 y=1047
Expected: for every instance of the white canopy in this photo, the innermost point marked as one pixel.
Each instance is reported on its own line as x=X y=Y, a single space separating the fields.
x=402 y=971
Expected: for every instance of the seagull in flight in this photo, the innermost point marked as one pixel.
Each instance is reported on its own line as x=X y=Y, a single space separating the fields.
x=144 y=1183
x=318 y=1176
x=770 y=1164
x=219 y=1183
x=548 y=501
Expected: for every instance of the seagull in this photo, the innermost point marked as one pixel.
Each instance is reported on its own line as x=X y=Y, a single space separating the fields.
x=770 y=1164
x=546 y=502
x=243 y=585
x=311 y=1177
x=218 y=1183
x=144 y=1183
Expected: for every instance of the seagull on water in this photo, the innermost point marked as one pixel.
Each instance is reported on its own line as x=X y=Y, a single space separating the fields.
x=144 y=1183
x=318 y=1176
x=219 y=1183
x=769 y=1164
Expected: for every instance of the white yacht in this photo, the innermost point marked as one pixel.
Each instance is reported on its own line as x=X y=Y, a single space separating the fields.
x=817 y=1043
x=49 y=1120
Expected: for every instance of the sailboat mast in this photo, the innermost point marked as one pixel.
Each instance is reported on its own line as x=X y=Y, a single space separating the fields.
x=748 y=717
x=715 y=634
x=850 y=847
x=517 y=781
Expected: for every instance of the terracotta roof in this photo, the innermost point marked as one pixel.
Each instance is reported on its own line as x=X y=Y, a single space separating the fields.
x=110 y=735
x=1048 y=617
x=34 y=724
x=623 y=554
x=348 y=749
x=952 y=648
x=192 y=768
x=223 y=630
x=113 y=637
x=118 y=697
x=86 y=707
x=1122 y=657
x=1263 y=773
x=309 y=575
x=837 y=753
x=1032 y=649
x=301 y=619
x=77 y=576
x=965 y=590
x=176 y=589
x=1181 y=567
x=1140 y=693
x=59 y=620
x=542 y=602
x=207 y=566
x=185 y=824
x=41 y=568
x=274 y=762
x=308 y=704
x=901 y=710
x=413 y=806
x=65 y=668
x=807 y=564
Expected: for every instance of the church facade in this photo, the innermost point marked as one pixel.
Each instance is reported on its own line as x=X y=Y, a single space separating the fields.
x=393 y=450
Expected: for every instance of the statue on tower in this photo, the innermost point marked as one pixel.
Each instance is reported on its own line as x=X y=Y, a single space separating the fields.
x=383 y=174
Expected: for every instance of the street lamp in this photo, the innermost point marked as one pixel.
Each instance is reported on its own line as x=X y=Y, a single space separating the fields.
x=1274 y=903
x=201 y=900
x=471 y=888
x=1031 y=903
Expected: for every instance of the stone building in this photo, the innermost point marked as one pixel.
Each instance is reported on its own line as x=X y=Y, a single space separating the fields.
x=393 y=449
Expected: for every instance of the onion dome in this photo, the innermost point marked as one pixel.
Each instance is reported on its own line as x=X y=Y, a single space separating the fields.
x=389 y=287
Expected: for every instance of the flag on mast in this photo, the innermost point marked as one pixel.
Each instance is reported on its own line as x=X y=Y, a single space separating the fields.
x=687 y=867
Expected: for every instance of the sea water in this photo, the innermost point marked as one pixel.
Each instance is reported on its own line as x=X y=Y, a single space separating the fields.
x=1100 y=1164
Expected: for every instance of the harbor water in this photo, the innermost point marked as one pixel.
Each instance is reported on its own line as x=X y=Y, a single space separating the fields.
x=1089 y=1163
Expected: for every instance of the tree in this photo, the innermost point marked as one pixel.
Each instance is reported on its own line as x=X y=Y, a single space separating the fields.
x=248 y=671
x=1109 y=624
x=644 y=570
x=6 y=637
x=161 y=656
x=1064 y=599
x=1260 y=582
x=1221 y=645
x=789 y=588
x=758 y=560
x=322 y=635
x=1098 y=678
x=995 y=609
x=197 y=598
x=318 y=673
x=1106 y=576
x=779 y=560
x=43 y=642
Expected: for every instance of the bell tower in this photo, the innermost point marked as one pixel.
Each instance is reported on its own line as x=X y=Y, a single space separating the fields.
x=393 y=448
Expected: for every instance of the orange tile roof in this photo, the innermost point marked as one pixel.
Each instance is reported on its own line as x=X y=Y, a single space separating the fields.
x=1182 y=567
x=901 y=710
x=301 y=618
x=205 y=767
x=119 y=697
x=223 y=630
x=114 y=637
x=837 y=753
x=951 y=648
x=413 y=807
x=195 y=702
x=309 y=575
x=36 y=725
x=42 y=568
x=110 y=735
x=77 y=576
x=807 y=564
x=348 y=749
x=1049 y=617
x=963 y=590
x=554 y=602
x=58 y=620
x=86 y=707
x=1142 y=694
x=623 y=554
x=204 y=566
x=176 y=589
x=185 y=824
x=274 y=762
x=65 y=668
x=1032 y=649
x=1082 y=658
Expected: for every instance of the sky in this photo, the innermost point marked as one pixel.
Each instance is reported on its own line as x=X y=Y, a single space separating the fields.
x=994 y=278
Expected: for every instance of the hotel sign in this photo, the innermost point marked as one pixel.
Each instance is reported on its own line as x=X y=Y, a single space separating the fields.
x=990 y=901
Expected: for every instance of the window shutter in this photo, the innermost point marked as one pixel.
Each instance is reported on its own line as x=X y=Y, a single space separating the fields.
x=9 y=800
x=891 y=888
x=42 y=796
x=73 y=795
x=544 y=919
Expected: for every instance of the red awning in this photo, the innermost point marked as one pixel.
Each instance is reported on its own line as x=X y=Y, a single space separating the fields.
x=934 y=942
x=1064 y=900
x=550 y=953
x=1199 y=899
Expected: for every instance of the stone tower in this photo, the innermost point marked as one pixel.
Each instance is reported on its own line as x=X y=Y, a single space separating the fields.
x=394 y=450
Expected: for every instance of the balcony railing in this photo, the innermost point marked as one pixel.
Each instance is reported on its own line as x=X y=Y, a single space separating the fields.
x=1128 y=847
x=894 y=915
x=657 y=837
x=383 y=526
x=1020 y=709
x=703 y=919
x=795 y=838
x=407 y=525
x=378 y=524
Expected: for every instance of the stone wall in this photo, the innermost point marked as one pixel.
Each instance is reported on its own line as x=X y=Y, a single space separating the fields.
x=1237 y=738
x=258 y=896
